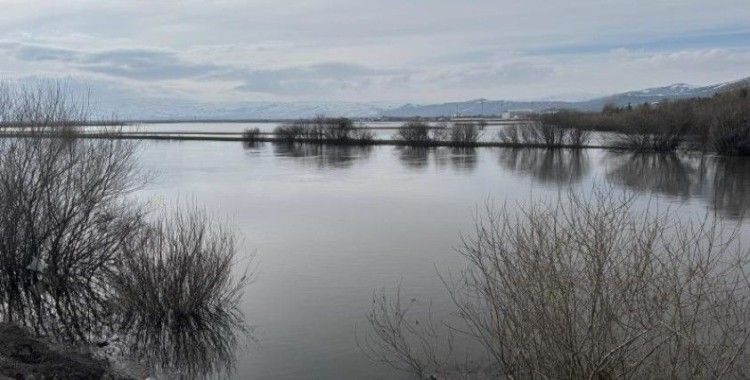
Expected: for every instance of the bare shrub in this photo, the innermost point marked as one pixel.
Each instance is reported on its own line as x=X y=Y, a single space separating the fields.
x=465 y=133
x=44 y=103
x=325 y=130
x=590 y=288
x=251 y=135
x=175 y=296
x=362 y=135
x=441 y=132
x=510 y=135
x=337 y=129
x=415 y=133
x=647 y=132
x=578 y=137
x=74 y=246
x=729 y=127
x=549 y=136
x=291 y=132
x=63 y=220
x=401 y=342
x=720 y=123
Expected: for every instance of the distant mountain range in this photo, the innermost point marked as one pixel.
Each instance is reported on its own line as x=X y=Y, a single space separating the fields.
x=135 y=108
x=496 y=107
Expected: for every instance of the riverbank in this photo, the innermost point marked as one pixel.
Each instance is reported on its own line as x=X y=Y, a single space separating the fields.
x=25 y=356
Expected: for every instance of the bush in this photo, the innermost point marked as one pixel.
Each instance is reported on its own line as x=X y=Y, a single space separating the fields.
x=585 y=288
x=81 y=262
x=465 y=133
x=175 y=298
x=363 y=135
x=415 y=133
x=720 y=123
x=42 y=104
x=63 y=219
x=337 y=129
x=322 y=129
x=291 y=132
x=441 y=132
x=251 y=135
x=543 y=134
x=729 y=127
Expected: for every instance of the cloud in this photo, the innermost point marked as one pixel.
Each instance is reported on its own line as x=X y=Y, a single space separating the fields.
x=143 y=64
x=322 y=77
x=137 y=64
x=44 y=53
x=694 y=59
x=505 y=73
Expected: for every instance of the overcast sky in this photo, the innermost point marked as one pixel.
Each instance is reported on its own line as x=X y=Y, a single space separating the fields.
x=385 y=50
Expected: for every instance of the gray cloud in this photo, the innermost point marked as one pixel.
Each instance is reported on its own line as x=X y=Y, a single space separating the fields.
x=138 y=64
x=313 y=78
x=510 y=73
x=44 y=53
x=145 y=64
x=415 y=51
x=151 y=64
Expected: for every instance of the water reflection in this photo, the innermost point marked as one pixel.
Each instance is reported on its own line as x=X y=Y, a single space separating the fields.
x=731 y=186
x=667 y=174
x=414 y=157
x=419 y=158
x=723 y=182
x=464 y=159
x=323 y=155
x=557 y=166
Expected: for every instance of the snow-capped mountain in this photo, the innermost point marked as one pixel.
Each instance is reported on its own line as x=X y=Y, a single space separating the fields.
x=655 y=94
x=496 y=107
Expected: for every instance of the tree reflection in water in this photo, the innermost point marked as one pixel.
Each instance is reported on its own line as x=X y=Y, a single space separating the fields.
x=323 y=155
x=414 y=157
x=730 y=190
x=419 y=157
x=723 y=182
x=557 y=166
x=667 y=174
x=464 y=159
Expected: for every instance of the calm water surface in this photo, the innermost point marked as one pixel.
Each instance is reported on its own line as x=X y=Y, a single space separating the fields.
x=329 y=225
x=382 y=130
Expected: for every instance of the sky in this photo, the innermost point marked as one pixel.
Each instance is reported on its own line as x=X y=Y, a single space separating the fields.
x=417 y=51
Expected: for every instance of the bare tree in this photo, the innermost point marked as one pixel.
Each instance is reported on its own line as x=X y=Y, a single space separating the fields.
x=80 y=260
x=590 y=288
x=414 y=133
x=64 y=218
x=547 y=135
x=43 y=104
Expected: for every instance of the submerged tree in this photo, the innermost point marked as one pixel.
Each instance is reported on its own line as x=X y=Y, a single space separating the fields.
x=175 y=297
x=589 y=287
x=74 y=243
